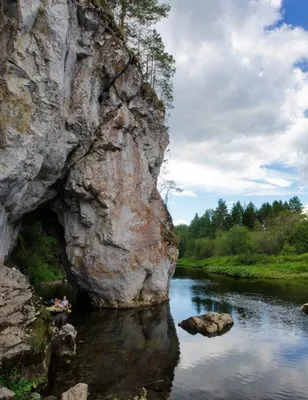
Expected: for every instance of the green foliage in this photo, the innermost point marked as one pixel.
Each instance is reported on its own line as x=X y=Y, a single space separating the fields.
x=204 y=248
x=135 y=19
x=38 y=255
x=299 y=237
x=21 y=386
x=41 y=332
x=255 y=266
x=248 y=232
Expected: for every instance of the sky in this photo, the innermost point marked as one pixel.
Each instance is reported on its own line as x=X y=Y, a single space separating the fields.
x=239 y=129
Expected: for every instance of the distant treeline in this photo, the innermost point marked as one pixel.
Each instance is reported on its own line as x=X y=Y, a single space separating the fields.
x=277 y=228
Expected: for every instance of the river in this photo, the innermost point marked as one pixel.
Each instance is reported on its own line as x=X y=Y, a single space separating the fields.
x=264 y=356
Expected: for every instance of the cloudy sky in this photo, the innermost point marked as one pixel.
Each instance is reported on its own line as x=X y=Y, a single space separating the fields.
x=239 y=130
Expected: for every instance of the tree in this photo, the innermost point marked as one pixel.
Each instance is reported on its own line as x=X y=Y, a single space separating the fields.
x=166 y=187
x=220 y=216
x=135 y=19
x=207 y=227
x=295 y=205
x=158 y=66
x=237 y=212
x=250 y=216
x=194 y=227
x=300 y=237
x=264 y=212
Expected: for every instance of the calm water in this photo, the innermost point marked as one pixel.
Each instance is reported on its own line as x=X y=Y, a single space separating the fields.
x=264 y=356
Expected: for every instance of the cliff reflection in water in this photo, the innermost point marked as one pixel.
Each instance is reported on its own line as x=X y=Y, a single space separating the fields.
x=120 y=352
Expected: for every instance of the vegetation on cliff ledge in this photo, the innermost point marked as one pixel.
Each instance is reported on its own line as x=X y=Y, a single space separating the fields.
x=135 y=19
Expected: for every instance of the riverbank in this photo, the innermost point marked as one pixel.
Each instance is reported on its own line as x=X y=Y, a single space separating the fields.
x=263 y=267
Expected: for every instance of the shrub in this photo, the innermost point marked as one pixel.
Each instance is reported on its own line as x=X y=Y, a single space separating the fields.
x=22 y=387
x=38 y=255
x=204 y=248
x=41 y=332
x=299 y=238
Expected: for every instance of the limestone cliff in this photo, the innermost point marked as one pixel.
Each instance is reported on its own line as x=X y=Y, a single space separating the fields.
x=81 y=132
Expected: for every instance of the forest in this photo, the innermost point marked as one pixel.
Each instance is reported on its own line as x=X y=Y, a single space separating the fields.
x=248 y=232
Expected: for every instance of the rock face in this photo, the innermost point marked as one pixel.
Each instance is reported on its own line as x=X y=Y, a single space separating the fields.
x=211 y=324
x=17 y=313
x=6 y=394
x=82 y=132
x=64 y=341
x=78 y=392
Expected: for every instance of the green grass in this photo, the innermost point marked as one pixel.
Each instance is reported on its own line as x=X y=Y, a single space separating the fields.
x=265 y=267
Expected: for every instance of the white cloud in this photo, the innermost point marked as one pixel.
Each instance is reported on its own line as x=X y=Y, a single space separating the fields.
x=185 y=193
x=240 y=99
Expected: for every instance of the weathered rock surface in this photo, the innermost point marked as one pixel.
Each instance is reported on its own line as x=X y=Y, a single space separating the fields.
x=211 y=324
x=64 y=341
x=17 y=313
x=78 y=392
x=6 y=394
x=80 y=128
x=305 y=308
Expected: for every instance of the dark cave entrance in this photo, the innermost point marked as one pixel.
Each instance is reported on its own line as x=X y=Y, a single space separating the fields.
x=40 y=251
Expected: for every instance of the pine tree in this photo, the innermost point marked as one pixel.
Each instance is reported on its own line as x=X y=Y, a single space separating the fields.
x=237 y=212
x=295 y=205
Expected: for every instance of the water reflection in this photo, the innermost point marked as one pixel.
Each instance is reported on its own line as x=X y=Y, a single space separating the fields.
x=120 y=352
x=263 y=357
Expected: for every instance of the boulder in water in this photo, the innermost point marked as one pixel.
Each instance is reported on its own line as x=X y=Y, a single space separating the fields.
x=64 y=341
x=78 y=392
x=211 y=324
x=305 y=308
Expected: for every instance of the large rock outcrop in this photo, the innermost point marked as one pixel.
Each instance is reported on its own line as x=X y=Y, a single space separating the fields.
x=17 y=314
x=82 y=132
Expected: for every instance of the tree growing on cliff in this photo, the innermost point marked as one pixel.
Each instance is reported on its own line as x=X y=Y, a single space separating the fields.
x=135 y=18
x=158 y=66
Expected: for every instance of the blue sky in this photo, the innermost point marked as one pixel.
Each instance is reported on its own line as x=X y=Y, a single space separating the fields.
x=238 y=130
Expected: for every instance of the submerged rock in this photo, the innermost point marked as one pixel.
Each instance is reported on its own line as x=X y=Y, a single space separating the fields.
x=211 y=324
x=305 y=308
x=64 y=341
x=83 y=133
x=78 y=392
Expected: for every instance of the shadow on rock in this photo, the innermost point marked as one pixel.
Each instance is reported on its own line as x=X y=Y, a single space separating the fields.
x=121 y=353
x=208 y=325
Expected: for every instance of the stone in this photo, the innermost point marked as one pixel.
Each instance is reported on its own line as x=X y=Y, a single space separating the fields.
x=6 y=394
x=78 y=392
x=16 y=314
x=211 y=324
x=305 y=308
x=64 y=341
x=82 y=133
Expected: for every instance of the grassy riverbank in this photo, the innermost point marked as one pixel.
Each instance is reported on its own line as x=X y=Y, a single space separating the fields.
x=264 y=267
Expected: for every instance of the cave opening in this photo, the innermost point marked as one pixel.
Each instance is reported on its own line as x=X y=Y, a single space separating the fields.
x=40 y=251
